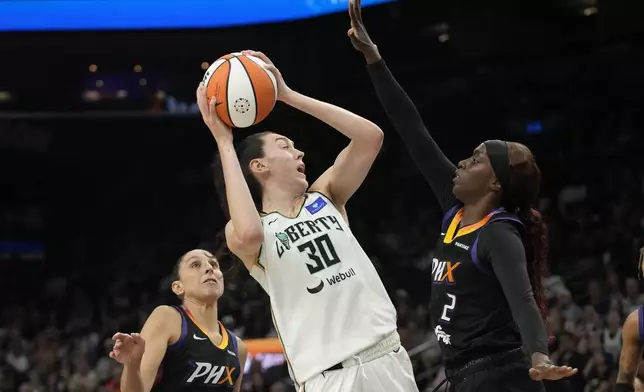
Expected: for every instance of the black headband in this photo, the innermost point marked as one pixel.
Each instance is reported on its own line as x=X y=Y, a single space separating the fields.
x=497 y=151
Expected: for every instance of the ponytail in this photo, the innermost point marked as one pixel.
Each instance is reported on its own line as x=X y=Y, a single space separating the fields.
x=537 y=255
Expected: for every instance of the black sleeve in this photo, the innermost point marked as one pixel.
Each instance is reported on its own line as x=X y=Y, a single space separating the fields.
x=433 y=164
x=500 y=245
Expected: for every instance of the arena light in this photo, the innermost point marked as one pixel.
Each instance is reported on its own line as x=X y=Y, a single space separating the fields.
x=52 y=15
x=205 y=65
x=100 y=83
x=93 y=68
x=138 y=68
x=590 y=11
x=143 y=82
x=5 y=96
x=121 y=94
x=91 y=95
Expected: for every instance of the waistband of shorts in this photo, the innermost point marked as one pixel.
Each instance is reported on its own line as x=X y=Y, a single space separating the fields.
x=479 y=364
x=383 y=347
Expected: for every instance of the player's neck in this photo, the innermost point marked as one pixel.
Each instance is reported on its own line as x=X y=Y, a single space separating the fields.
x=206 y=315
x=286 y=202
x=475 y=212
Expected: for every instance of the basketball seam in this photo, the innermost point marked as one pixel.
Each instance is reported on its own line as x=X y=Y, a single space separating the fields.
x=252 y=87
x=230 y=68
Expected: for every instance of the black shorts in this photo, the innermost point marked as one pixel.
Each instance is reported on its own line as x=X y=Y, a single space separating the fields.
x=504 y=373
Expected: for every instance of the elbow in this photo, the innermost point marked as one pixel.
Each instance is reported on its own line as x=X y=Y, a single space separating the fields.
x=252 y=237
x=374 y=137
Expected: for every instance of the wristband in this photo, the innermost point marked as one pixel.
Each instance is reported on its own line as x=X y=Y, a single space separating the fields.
x=619 y=387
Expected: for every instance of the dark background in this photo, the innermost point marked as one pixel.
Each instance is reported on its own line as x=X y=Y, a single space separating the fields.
x=99 y=198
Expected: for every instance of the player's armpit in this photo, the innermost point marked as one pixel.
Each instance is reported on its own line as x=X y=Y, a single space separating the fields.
x=245 y=249
x=630 y=355
x=162 y=327
x=243 y=353
x=348 y=172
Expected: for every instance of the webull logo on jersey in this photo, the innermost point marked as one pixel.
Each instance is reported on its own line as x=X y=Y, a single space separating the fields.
x=443 y=271
x=441 y=335
x=208 y=374
x=331 y=280
x=296 y=232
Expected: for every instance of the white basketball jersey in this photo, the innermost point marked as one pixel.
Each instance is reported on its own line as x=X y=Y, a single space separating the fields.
x=327 y=300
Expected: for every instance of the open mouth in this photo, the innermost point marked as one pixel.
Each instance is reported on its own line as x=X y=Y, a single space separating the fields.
x=210 y=280
x=301 y=168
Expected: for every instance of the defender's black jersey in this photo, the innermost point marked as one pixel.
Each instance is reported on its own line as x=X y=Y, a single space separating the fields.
x=194 y=363
x=470 y=314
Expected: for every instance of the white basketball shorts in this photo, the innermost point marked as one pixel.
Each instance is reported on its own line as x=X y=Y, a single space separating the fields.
x=391 y=372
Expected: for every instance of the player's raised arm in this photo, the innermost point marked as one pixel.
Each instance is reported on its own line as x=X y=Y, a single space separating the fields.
x=141 y=354
x=629 y=358
x=352 y=165
x=430 y=160
x=244 y=233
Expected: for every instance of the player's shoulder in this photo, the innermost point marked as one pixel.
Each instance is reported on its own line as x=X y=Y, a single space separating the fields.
x=165 y=316
x=314 y=195
x=631 y=326
x=501 y=229
x=163 y=323
x=241 y=346
x=632 y=320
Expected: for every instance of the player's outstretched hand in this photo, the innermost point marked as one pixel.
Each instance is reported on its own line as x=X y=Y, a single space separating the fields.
x=220 y=131
x=543 y=369
x=358 y=33
x=128 y=348
x=282 y=89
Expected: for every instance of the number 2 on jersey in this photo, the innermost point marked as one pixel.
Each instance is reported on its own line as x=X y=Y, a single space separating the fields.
x=321 y=251
x=448 y=307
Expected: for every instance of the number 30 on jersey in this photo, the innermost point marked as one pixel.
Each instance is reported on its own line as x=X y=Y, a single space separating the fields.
x=448 y=308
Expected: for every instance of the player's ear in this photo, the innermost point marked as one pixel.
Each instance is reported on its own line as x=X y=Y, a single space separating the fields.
x=177 y=288
x=258 y=165
x=495 y=185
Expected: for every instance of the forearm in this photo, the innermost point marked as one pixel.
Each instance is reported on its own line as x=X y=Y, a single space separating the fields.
x=626 y=376
x=428 y=157
x=356 y=128
x=131 y=380
x=629 y=360
x=502 y=246
x=242 y=208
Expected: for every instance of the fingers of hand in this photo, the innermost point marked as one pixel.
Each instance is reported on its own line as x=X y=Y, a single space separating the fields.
x=352 y=13
x=534 y=374
x=136 y=338
x=122 y=337
x=271 y=68
x=259 y=55
x=212 y=103
x=202 y=99
x=358 y=6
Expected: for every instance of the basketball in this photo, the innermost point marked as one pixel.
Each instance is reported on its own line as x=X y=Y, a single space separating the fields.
x=245 y=91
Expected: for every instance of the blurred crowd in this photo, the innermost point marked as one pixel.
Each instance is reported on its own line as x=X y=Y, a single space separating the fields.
x=55 y=331
x=125 y=222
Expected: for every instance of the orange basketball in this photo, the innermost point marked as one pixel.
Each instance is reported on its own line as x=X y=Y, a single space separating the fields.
x=245 y=91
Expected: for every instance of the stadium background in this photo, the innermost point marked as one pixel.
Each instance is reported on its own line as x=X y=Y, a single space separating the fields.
x=106 y=180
